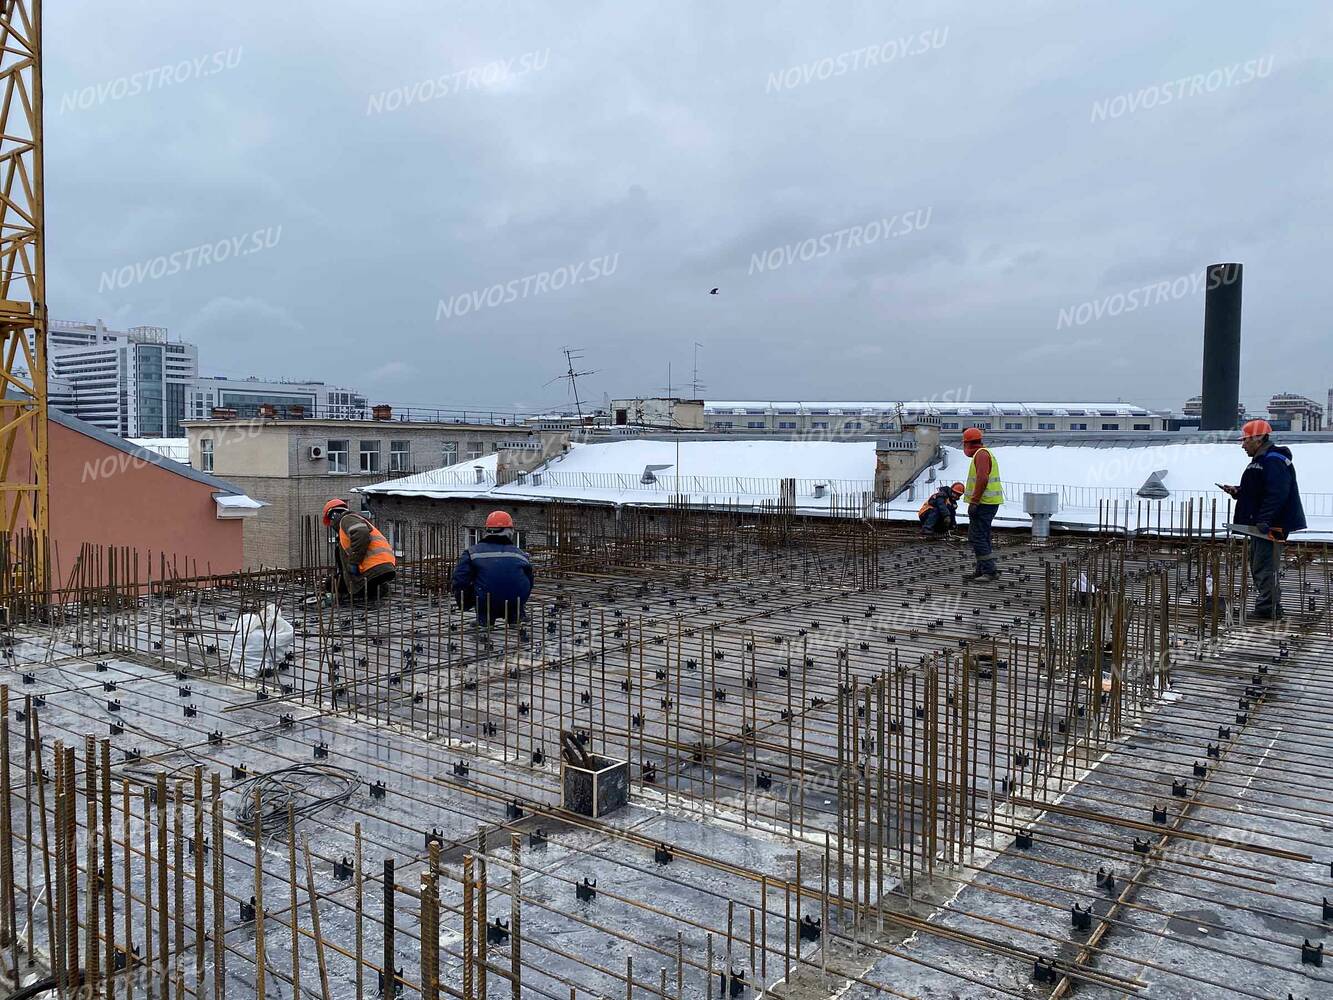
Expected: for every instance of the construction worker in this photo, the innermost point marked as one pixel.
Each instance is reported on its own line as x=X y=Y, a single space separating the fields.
x=1269 y=501
x=984 y=493
x=363 y=558
x=495 y=575
x=938 y=515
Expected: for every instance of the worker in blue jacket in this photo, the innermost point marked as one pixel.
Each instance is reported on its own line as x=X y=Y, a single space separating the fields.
x=1268 y=500
x=494 y=576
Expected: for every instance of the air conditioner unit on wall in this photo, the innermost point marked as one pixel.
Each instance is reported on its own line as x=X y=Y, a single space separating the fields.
x=316 y=452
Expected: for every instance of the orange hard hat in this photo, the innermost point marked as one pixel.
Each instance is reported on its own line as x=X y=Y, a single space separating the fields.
x=971 y=434
x=1255 y=428
x=330 y=507
x=499 y=519
x=957 y=488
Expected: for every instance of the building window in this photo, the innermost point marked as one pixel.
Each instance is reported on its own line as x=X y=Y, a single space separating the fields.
x=1045 y=426
x=519 y=535
x=820 y=425
x=948 y=427
x=398 y=537
x=474 y=450
x=853 y=425
x=1078 y=427
x=1010 y=426
x=400 y=456
x=1143 y=427
x=755 y=425
x=337 y=455
x=786 y=425
x=206 y=454
x=1110 y=427
x=449 y=453
x=982 y=425
x=370 y=456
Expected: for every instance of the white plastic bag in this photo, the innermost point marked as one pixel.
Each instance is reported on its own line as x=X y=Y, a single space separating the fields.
x=260 y=640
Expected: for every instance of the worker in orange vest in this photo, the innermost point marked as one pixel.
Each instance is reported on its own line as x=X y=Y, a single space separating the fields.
x=364 y=559
x=938 y=512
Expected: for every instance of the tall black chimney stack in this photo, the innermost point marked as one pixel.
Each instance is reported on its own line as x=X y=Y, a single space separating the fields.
x=1221 y=347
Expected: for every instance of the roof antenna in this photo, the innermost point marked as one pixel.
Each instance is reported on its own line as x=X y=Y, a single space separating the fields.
x=571 y=376
x=696 y=386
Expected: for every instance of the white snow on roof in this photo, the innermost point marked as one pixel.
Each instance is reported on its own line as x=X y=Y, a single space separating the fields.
x=995 y=407
x=709 y=471
x=1085 y=476
x=750 y=472
x=176 y=449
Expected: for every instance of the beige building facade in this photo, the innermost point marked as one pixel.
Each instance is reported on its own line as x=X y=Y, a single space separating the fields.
x=295 y=466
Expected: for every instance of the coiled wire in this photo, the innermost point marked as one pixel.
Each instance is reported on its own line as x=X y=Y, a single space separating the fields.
x=307 y=788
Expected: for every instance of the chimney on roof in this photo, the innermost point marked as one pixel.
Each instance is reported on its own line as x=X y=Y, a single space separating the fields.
x=1221 y=347
x=523 y=455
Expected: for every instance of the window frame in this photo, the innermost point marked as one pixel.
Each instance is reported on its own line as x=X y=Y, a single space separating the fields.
x=335 y=467
x=405 y=453
x=362 y=452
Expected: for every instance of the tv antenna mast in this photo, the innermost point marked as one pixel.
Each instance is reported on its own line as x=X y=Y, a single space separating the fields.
x=571 y=376
x=696 y=387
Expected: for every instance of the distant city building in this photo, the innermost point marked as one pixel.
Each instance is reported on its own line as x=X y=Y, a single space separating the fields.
x=295 y=465
x=1290 y=412
x=140 y=384
x=853 y=418
x=660 y=412
x=1193 y=408
x=130 y=383
x=251 y=397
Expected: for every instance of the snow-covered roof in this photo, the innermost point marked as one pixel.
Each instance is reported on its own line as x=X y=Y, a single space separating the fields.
x=176 y=449
x=1086 y=477
x=964 y=407
x=652 y=472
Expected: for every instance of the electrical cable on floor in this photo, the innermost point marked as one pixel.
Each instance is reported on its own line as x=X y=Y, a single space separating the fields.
x=299 y=786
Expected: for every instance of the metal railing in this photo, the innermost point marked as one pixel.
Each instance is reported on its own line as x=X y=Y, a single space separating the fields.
x=623 y=482
x=1316 y=504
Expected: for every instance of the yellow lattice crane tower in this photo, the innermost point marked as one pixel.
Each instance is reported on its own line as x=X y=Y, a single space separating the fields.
x=23 y=319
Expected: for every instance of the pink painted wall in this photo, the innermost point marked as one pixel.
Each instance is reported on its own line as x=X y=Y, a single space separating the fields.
x=104 y=496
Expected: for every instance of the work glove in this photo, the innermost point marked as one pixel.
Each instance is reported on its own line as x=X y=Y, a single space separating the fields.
x=1264 y=529
x=972 y=509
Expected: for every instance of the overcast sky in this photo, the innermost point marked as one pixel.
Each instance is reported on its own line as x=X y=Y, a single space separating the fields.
x=427 y=200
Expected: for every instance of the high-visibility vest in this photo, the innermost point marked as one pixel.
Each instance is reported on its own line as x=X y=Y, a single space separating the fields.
x=378 y=553
x=994 y=492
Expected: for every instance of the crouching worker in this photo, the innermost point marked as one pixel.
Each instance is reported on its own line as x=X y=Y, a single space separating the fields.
x=495 y=575
x=364 y=562
x=938 y=514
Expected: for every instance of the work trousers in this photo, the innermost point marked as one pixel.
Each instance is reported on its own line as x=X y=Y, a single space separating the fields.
x=979 y=518
x=489 y=609
x=1266 y=571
